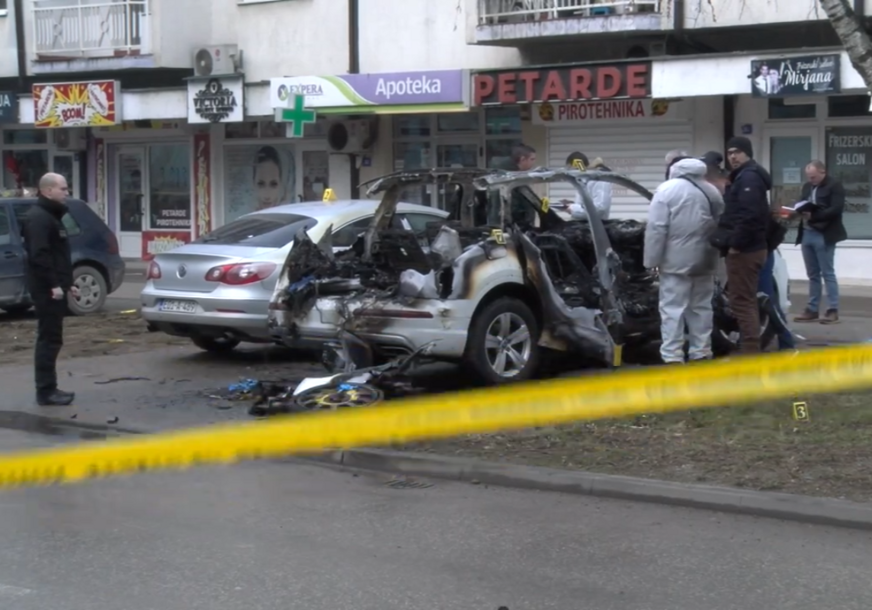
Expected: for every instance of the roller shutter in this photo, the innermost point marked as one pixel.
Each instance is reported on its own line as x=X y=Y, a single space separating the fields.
x=636 y=150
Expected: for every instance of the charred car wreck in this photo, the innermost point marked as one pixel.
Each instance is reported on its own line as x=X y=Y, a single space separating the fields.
x=504 y=278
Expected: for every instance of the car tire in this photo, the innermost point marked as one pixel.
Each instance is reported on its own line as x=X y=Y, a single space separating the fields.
x=215 y=345
x=724 y=345
x=16 y=309
x=92 y=291
x=491 y=357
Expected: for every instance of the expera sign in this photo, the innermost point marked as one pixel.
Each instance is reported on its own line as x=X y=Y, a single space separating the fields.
x=563 y=84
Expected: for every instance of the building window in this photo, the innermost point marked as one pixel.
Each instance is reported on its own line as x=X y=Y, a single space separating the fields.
x=22 y=169
x=778 y=110
x=849 y=160
x=169 y=184
x=3 y=8
x=844 y=106
x=469 y=139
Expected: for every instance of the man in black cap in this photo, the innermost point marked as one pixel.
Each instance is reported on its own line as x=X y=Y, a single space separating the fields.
x=742 y=237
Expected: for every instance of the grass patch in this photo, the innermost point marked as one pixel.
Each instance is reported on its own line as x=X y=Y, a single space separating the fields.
x=757 y=447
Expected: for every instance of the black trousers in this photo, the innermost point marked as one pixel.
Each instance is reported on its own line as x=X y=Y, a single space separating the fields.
x=49 y=339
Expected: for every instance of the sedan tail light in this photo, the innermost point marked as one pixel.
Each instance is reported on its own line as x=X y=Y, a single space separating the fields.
x=239 y=274
x=113 y=243
x=153 y=271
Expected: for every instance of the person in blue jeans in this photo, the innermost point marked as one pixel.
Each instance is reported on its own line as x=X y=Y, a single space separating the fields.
x=819 y=232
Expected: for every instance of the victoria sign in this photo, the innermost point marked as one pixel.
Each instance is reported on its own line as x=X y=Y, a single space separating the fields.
x=563 y=84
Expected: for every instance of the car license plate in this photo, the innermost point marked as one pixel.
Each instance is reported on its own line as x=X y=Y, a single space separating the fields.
x=178 y=306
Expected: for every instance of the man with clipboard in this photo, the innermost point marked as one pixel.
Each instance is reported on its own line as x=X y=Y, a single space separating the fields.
x=821 y=228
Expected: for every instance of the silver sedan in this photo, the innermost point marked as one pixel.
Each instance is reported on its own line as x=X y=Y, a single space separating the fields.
x=216 y=290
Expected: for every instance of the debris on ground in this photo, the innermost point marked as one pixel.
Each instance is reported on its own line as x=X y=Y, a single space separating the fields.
x=127 y=333
x=120 y=379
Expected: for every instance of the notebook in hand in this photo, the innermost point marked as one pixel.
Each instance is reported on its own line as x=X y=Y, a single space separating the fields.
x=799 y=207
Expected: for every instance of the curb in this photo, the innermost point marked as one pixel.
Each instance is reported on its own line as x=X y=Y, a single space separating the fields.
x=804 y=509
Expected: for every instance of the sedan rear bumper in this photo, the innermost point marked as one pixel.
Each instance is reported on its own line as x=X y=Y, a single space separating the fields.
x=243 y=319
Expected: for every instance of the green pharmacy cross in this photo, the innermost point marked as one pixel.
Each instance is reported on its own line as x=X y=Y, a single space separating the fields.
x=296 y=114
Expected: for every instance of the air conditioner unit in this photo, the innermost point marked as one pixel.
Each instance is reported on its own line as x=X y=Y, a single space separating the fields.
x=350 y=137
x=73 y=139
x=217 y=60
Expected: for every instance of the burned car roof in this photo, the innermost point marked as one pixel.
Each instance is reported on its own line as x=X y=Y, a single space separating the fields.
x=430 y=175
x=544 y=175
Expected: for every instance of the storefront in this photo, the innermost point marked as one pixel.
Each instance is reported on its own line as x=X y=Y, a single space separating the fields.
x=796 y=108
x=417 y=119
x=602 y=110
x=28 y=152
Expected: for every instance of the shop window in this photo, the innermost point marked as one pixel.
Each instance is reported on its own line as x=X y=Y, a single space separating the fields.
x=241 y=131
x=503 y=121
x=25 y=136
x=458 y=122
x=169 y=187
x=849 y=160
x=779 y=110
x=843 y=106
x=412 y=126
x=498 y=152
x=24 y=168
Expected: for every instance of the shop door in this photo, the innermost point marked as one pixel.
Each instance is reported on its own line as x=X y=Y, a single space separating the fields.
x=457 y=154
x=788 y=153
x=67 y=165
x=132 y=199
x=313 y=167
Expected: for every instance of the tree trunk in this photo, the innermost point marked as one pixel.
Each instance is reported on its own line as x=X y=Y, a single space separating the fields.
x=854 y=38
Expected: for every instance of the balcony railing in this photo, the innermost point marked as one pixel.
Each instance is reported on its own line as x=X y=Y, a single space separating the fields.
x=518 y=11
x=90 y=28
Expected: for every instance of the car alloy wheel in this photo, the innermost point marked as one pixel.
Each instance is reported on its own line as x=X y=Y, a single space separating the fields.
x=508 y=344
x=90 y=291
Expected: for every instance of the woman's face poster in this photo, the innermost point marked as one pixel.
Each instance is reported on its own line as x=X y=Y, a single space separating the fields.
x=257 y=177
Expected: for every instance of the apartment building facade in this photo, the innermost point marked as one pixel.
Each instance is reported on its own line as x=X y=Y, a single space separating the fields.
x=168 y=125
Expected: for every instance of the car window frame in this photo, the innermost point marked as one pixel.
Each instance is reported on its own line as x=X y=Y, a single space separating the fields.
x=411 y=227
x=8 y=213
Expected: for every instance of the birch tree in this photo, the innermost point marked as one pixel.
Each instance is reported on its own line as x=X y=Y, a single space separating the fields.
x=856 y=41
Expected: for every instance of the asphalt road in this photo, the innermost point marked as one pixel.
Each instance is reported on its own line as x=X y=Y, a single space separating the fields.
x=289 y=536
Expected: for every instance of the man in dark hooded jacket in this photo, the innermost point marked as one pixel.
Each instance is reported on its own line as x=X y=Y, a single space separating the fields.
x=743 y=232
x=50 y=280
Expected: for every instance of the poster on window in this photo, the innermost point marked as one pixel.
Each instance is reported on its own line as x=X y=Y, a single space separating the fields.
x=849 y=160
x=170 y=187
x=257 y=177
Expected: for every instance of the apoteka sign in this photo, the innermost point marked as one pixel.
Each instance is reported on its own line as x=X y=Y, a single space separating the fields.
x=217 y=100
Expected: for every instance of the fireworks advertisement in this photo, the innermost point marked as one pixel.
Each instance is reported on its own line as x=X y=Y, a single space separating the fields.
x=91 y=104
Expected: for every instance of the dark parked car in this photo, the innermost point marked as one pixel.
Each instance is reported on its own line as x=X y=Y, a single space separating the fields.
x=98 y=269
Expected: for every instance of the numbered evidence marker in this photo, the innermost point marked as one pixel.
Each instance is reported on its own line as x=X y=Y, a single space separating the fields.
x=295 y=114
x=499 y=237
x=329 y=195
x=800 y=411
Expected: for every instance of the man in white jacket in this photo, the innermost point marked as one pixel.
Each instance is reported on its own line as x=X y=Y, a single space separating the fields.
x=600 y=192
x=683 y=215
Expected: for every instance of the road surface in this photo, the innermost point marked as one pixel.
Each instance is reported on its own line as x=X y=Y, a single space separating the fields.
x=291 y=536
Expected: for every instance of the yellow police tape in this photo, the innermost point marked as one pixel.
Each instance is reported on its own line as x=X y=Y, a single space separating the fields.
x=622 y=393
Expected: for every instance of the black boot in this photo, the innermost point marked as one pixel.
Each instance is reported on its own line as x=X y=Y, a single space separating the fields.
x=55 y=399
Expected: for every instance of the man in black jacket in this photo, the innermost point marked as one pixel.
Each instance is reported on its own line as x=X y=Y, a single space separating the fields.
x=819 y=232
x=50 y=279
x=744 y=225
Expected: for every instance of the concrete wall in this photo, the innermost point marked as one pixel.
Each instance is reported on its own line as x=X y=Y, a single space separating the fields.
x=304 y=37
x=8 y=53
x=399 y=35
x=727 y=13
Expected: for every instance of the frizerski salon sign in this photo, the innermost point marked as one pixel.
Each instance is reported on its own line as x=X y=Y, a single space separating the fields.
x=796 y=76
x=218 y=100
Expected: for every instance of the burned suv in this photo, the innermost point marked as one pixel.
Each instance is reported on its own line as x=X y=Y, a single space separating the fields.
x=502 y=279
